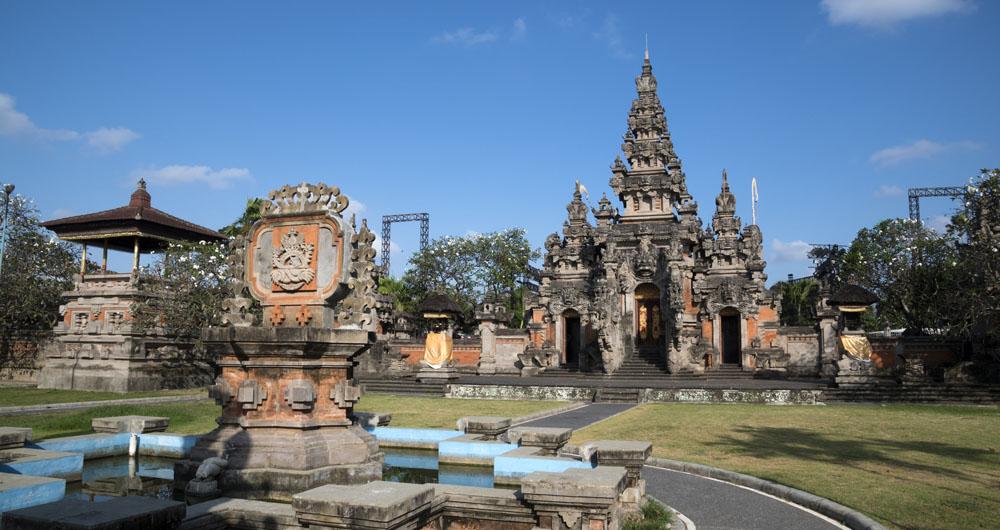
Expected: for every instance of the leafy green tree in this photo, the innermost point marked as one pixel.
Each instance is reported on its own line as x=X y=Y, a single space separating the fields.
x=471 y=268
x=402 y=298
x=913 y=270
x=798 y=301
x=37 y=268
x=829 y=262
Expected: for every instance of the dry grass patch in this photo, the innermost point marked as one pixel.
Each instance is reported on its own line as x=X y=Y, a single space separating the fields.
x=909 y=466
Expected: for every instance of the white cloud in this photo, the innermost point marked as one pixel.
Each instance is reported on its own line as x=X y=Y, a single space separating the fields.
x=797 y=250
x=610 y=34
x=520 y=29
x=355 y=208
x=178 y=174
x=919 y=150
x=106 y=140
x=465 y=37
x=14 y=123
x=887 y=13
x=884 y=191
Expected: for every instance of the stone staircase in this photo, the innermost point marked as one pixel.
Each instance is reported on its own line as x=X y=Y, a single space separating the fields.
x=616 y=395
x=924 y=393
x=728 y=372
x=407 y=386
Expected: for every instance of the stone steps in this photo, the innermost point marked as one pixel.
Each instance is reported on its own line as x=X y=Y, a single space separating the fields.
x=408 y=387
x=957 y=394
x=616 y=395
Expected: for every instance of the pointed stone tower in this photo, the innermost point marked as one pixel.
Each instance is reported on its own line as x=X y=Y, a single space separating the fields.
x=652 y=183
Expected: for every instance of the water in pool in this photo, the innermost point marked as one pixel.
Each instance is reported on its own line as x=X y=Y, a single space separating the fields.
x=418 y=466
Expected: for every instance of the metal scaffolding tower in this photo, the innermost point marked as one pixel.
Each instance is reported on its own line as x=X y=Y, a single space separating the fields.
x=387 y=220
x=914 y=194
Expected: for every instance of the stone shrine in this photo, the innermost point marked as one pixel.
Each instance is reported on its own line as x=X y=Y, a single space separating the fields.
x=287 y=385
x=648 y=280
x=96 y=346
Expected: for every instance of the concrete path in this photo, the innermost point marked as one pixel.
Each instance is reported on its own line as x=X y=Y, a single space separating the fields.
x=581 y=417
x=709 y=503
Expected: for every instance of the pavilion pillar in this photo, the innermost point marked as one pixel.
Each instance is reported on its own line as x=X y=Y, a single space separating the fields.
x=104 y=259
x=135 y=256
x=83 y=261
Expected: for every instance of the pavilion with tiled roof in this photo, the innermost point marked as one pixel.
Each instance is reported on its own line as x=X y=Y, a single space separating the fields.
x=137 y=228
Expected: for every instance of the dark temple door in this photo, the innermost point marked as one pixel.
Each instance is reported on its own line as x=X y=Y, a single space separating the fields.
x=730 y=339
x=572 y=340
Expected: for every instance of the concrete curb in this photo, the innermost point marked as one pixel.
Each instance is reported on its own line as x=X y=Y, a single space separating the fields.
x=842 y=514
x=78 y=405
x=681 y=521
x=546 y=413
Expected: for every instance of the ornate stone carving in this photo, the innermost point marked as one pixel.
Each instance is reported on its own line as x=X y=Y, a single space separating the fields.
x=290 y=266
x=305 y=198
x=357 y=308
x=300 y=394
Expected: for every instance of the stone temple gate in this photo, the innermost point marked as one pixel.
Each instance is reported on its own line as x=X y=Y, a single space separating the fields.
x=648 y=279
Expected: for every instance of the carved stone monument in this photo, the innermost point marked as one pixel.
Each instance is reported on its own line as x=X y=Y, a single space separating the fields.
x=286 y=386
x=438 y=364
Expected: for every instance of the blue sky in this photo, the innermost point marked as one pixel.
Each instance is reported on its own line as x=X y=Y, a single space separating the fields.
x=485 y=114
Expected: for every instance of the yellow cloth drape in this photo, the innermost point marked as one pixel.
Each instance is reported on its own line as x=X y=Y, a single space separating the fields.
x=856 y=347
x=437 y=350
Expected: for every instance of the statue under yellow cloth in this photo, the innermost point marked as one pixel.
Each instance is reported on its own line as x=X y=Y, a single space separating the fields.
x=856 y=347
x=438 y=349
x=643 y=322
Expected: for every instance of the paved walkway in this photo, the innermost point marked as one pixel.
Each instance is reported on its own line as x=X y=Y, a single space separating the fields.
x=709 y=503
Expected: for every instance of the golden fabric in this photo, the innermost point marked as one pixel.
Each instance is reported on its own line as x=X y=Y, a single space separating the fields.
x=856 y=347
x=437 y=350
x=643 y=325
x=656 y=322
x=852 y=309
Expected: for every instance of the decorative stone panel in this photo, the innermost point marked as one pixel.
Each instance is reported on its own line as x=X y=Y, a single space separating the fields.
x=251 y=394
x=345 y=394
x=300 y=394
x=221 y=392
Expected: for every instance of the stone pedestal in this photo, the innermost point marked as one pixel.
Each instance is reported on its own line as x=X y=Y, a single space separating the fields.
x=120 y=512
x=375 y=506
x=130 y=424
x=549 y=439
x=852 y=373
x=629 y=455
x=490 y=427
x=286 y=427
x=14 y=437
x=577 y=499
x=445 y=374
x=95 y=346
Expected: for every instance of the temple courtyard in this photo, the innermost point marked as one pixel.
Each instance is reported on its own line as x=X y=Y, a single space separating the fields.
x=907 y=466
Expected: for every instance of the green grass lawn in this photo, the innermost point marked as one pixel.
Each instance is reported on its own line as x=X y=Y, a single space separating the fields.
x=195 y=417
x=15 y=397
x=190 y=417
x=909 y=466
x=443 y=413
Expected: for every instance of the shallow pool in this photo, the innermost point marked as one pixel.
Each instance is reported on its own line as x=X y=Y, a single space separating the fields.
x=120 y=476
x=421 y=466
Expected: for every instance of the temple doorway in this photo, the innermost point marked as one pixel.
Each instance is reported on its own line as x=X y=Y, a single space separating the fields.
x=571 y=340
x=648 y=318
x=730 y=320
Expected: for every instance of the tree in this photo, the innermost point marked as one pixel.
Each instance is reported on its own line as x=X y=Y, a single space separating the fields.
x=798 y=302
x=913 y=271
x=471 y=268
x=241 y=226
x=37 y=269
x=185 y=290
x=829 y=262
x=976 y=230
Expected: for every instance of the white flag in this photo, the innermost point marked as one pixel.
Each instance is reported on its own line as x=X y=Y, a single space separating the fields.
x=754 y=197
x=582 y=189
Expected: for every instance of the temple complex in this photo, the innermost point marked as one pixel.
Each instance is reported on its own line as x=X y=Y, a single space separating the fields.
x=647 y=281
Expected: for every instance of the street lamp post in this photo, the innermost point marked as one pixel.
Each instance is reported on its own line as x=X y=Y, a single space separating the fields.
x=7 y=190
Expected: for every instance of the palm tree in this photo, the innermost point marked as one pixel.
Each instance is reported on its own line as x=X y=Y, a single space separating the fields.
x=242 y=225
x=797 y=302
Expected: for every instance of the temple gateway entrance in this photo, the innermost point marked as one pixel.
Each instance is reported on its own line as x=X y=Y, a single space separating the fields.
x=730 y=319
x=648 y=318
x=571 y=338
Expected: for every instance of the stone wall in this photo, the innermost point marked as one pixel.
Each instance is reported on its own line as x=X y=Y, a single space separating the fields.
x=20 y=360
x=510 y=343
x=801 y=343
x=466 y=352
